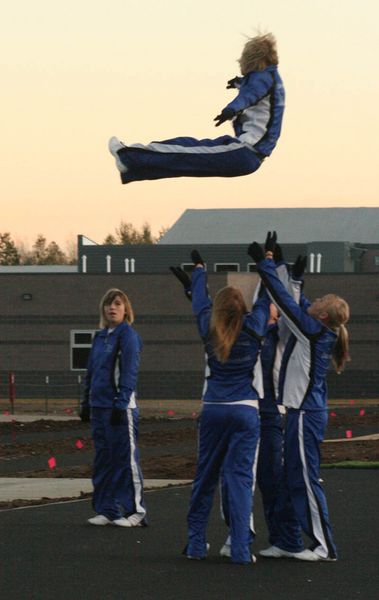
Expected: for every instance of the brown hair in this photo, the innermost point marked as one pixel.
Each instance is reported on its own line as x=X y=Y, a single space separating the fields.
x=226 y=320
x=108 y=298
x=338 y=312
x=258 y=53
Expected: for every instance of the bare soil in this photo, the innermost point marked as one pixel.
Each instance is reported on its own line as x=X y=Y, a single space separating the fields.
x=167 y=446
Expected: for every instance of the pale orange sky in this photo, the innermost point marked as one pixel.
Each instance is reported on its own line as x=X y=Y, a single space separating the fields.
x=77 y=72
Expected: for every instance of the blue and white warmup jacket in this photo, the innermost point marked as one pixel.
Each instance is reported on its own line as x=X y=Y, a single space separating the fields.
x=308 y=352
x=230 y=381
x=112 y=368
x=259 y=109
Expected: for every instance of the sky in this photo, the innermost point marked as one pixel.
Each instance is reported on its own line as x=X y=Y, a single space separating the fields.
x=75 y=73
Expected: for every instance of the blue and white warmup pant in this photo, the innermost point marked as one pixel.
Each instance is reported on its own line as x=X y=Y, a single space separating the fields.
x=117 y=477
x=270 y=481
x=225 y=156
x=303 y=434
x=228 y=437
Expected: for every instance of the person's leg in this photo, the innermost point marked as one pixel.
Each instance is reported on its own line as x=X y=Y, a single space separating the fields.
x=127 y=480
x=238 y=476
x=225 y=156
x=102 y=500
x=270 y=467
x=312 y=509
x=213 y=441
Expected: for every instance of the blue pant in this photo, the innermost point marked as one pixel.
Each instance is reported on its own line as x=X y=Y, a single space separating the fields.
x=224 y=156
x=117 y=477
x=228 y=437
x=303 y=434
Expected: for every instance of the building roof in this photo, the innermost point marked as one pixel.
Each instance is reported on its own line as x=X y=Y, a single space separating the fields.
x=294 y=225
x=38 y=269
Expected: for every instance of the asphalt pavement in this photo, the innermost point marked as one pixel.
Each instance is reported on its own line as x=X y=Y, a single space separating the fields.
x=50 y=553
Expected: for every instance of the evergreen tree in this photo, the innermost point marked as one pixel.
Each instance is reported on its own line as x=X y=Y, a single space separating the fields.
x=8 y=252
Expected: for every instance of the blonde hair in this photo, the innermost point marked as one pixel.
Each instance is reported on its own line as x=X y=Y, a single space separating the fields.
x=338 y=312
x=258 y=53
x=108 y=298
x=226 y=320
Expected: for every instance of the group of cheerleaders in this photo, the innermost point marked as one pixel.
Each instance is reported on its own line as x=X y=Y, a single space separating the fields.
x=264 y=408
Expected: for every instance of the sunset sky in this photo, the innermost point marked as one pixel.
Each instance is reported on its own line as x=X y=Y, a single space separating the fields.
x=75 y=73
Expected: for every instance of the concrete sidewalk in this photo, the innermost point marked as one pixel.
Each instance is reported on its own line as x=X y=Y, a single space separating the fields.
x=32 y=488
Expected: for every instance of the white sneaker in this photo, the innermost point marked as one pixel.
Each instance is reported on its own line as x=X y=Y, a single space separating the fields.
x=114 y=145
x=99 y=520
x=132 y=521
x=227 y=552
x=275 y=552
x=320 y=557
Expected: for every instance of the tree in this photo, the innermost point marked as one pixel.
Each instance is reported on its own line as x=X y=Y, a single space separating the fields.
x=9 y=254
x=43 y=254
x=127 y=234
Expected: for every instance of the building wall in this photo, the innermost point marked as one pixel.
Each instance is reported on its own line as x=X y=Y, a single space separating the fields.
x=35 y=334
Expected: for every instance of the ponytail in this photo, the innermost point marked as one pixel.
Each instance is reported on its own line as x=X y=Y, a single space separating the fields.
x=226 y=321
x=341 y=349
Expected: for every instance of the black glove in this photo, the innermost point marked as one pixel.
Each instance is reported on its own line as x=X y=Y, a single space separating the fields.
x=85 y=414
x=184 y=280
x=298 y=267
x=118 y=416
x=278 y=254
x=226 y=115
x=196 y=258
x=270 y=241
x=232 y=83
x=256 y=252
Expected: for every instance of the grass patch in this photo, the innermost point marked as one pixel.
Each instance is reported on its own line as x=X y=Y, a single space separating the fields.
x=352 y=464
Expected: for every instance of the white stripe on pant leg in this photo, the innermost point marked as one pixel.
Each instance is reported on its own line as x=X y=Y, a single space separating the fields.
x=255 y=467
x=137 y=482
x=178 y=149
x=313 y=506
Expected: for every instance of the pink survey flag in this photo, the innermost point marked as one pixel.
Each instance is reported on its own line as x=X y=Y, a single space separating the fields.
x=79 y=444
x=349 y=433
x=362 y=412
x=170 y=412
x=52 y=462
x=333 y=414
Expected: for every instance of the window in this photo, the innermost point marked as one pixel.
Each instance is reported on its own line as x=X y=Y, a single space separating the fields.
x=80 y=346
x=376 y=261
x=187 y=267
x=222 y=267
x=251 y=268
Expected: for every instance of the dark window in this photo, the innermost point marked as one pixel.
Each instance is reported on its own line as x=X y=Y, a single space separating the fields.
x=223 y=267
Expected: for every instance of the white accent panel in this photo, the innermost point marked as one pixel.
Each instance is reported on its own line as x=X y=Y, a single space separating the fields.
x=206 y=374
x=299 y=364
x=313 y=507
x=137 y=481
x=176 y=148
x=255 y=467
x=254 y=122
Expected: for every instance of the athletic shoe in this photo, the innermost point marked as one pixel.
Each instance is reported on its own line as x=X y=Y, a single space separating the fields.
x=99 y=520
x=275 y=552
x=190 y=557
x=227 y=553
x=323 y=558
x=114 y=145
x=128 y=522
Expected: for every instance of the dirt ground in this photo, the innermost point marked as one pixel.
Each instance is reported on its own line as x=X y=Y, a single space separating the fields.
x=167 y=445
